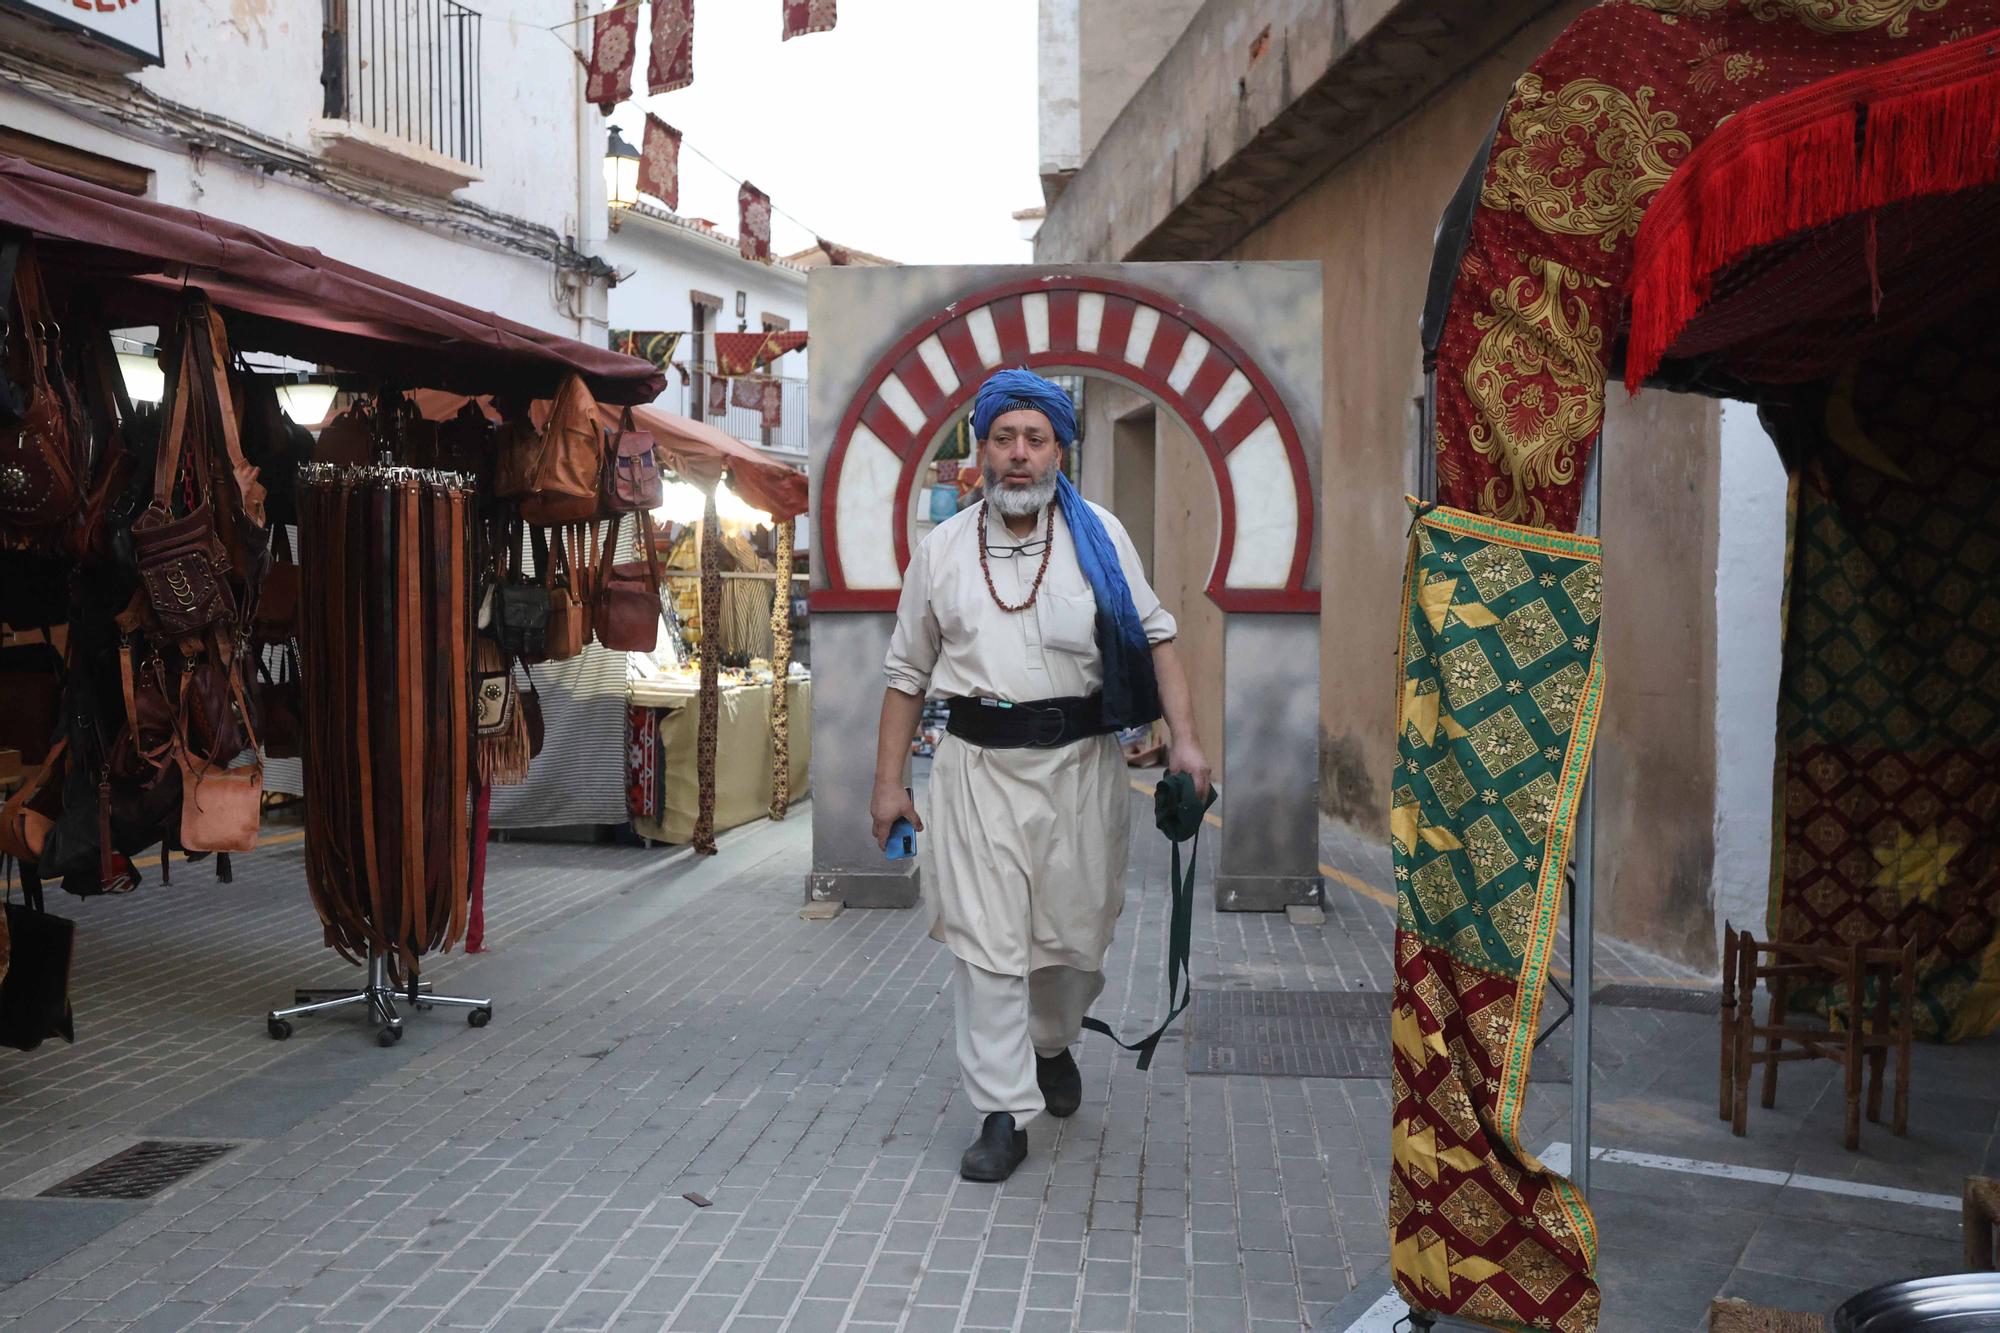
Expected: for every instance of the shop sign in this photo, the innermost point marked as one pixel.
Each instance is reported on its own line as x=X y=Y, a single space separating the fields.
x=115 y=28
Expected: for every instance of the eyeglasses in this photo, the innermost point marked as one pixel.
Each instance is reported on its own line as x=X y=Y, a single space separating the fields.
x=1025 y=551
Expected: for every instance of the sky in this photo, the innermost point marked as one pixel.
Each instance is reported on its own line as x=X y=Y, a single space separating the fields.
x=907 y=131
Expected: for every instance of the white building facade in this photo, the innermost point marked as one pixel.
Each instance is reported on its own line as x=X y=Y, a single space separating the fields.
x=442 y=145
x=676 y=274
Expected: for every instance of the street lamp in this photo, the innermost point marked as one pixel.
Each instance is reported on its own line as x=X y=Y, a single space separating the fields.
x=621 y=175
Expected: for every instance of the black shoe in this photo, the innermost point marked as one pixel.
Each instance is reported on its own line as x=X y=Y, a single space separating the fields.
x=999 y=1149
x=1061 y=1083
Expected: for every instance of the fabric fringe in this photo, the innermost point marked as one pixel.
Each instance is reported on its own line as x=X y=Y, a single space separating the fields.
x=1926 y=125
x=501 y=759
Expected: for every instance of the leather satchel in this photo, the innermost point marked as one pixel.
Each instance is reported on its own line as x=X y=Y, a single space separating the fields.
x=180 y=564
x=632 y=471
x=564 y=477
x=627 y=612
x=29 y=814
x=280 y=721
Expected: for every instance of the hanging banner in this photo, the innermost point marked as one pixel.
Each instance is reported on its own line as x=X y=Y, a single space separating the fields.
x=748 y=393
x=747 y=353
x=660 y=163
x=753 y=209
x=804 y=16
x=670 y=64
x=718 y=395
x=614 y=37
x=657 y=348
x=774 y=404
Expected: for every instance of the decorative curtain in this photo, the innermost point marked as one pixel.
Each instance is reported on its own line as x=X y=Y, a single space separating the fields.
x=753 y=208
x=1591 y=135
x=804 y=16
x=748 y=353
x=647 y=345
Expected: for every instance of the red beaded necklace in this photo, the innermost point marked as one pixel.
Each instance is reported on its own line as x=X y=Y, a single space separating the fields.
x=1048 y=549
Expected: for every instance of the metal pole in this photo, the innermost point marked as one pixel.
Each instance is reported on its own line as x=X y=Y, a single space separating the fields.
x=1583 y=903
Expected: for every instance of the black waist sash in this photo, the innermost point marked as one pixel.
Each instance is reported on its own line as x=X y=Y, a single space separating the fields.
x=1040 y=723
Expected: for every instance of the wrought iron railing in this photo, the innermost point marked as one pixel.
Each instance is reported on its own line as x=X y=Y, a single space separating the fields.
x=408 y=68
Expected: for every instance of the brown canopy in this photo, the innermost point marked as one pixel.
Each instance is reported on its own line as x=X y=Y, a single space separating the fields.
x=134 y=255
x=696 y=452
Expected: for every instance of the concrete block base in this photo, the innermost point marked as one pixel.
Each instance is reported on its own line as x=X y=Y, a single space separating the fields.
x=1268 y=893
x=852 y=888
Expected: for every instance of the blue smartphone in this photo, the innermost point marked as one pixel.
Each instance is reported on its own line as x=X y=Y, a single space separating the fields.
x=902 y=841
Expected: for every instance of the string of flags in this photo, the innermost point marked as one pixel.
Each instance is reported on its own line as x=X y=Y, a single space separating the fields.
x=614 y=52
x=738 y=359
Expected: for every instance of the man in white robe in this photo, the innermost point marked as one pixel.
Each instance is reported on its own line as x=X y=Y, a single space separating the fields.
x=1028 y=813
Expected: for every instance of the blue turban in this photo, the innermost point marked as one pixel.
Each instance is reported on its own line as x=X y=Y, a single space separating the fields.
x=1024 y=388
x=1131 y=693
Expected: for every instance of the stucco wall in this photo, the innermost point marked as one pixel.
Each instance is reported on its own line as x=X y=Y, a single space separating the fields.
x=1749 y=603
x=1121 y=41
x=1184 y=504
x=1371 y=222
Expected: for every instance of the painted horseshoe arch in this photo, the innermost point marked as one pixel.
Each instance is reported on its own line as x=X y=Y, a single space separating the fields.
x=1233 y=352
x=1094 y=326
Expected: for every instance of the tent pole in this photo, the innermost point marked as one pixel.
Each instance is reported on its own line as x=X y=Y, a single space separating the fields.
x=1583 y=903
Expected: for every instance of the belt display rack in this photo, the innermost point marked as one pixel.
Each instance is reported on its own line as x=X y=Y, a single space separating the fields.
x=386 y=664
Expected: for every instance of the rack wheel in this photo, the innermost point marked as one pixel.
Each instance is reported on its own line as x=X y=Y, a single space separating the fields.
x=389 y=1036
x=480 y=1017
x=278 y=1028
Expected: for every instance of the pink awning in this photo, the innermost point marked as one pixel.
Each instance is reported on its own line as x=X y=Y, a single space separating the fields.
x=135 y=256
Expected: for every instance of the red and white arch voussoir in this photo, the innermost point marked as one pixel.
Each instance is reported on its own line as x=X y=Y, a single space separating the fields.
x=1097 y=326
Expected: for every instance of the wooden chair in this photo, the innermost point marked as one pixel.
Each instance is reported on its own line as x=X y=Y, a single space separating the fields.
x=1732 y=1316
x=1861 y=1046
x=1982 y=1214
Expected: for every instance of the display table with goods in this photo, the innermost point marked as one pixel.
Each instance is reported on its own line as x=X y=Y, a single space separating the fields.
x=664 y=726
x=177 y=637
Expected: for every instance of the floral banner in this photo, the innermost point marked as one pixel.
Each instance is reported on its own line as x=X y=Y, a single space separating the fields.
x=804 y=16
x=753 y=209
x=660 y=163
x=614 y=36
x=670 y=65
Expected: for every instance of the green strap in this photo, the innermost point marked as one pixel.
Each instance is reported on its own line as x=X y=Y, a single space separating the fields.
x=1180 y=943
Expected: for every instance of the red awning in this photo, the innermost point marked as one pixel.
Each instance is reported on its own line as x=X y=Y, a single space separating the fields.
x=135 y=256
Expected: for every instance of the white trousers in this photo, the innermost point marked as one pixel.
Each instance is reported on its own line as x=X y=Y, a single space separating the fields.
x=1004 y=1022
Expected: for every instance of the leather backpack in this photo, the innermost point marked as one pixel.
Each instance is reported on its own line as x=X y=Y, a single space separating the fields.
x=632 y=471
x=562 y=478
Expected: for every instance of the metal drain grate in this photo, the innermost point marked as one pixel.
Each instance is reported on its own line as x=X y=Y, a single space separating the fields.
x=1305 y=1034
x=140 y=1172
x=1679 y=999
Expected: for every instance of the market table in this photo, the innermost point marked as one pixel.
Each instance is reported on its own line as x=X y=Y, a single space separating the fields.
x=742 y=753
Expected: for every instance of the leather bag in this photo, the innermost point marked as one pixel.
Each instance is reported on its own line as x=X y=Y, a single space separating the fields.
x=563 y=479
x=221 y=807
x=632 y=471
x=181 y=566
x=29 y=814
x=31 y=683
x=34 y=995
x=626 y=617
x=280 y=723
x=569 y=627
x=43 y=434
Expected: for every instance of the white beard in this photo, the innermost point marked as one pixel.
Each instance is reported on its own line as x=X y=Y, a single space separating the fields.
x=1023 y=503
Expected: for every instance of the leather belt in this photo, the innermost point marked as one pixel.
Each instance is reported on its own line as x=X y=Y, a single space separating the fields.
x=1043 y=724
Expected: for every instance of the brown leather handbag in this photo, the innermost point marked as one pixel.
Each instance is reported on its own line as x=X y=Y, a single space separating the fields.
x=29 y=814
x=632 y=471
x=627 y=613
x=221 y=807
x=568 y=628
x=181 y=560
x=41 y=482
x=564 y=477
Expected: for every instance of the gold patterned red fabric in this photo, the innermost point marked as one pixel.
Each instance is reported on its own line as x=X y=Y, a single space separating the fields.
x=753 y=210
x=660 y=162
x=804 y=16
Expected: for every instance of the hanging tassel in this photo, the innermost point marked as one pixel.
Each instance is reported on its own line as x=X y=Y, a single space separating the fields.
x=502 y=753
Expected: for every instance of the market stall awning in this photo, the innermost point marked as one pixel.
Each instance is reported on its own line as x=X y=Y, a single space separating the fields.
x=136 y=255
x=696 y=452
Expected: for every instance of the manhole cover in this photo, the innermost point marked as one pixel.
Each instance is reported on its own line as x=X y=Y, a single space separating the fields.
x=1306 y=1034
x=1679 y=999
x=140 y=1172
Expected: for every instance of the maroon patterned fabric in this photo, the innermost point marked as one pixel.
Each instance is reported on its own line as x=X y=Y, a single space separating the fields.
x=804 y=16
x=774 y=404
x=748 y=393
x=614 y=45
x=671 y=63
x=753 y=209
x=660 y=163
x=718 y=395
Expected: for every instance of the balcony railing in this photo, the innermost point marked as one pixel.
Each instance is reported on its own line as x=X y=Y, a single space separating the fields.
x=409 y=69
x=747 y=423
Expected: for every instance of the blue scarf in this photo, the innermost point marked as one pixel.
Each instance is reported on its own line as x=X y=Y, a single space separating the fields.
x=1131 y=693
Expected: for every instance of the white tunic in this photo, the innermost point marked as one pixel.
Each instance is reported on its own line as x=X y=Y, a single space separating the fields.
x=1024 y=849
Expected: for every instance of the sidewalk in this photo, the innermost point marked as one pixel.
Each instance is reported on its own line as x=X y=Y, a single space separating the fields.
x=666 y=1026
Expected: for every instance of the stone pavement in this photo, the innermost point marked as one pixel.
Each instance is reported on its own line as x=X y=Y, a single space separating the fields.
x=667 y=1026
